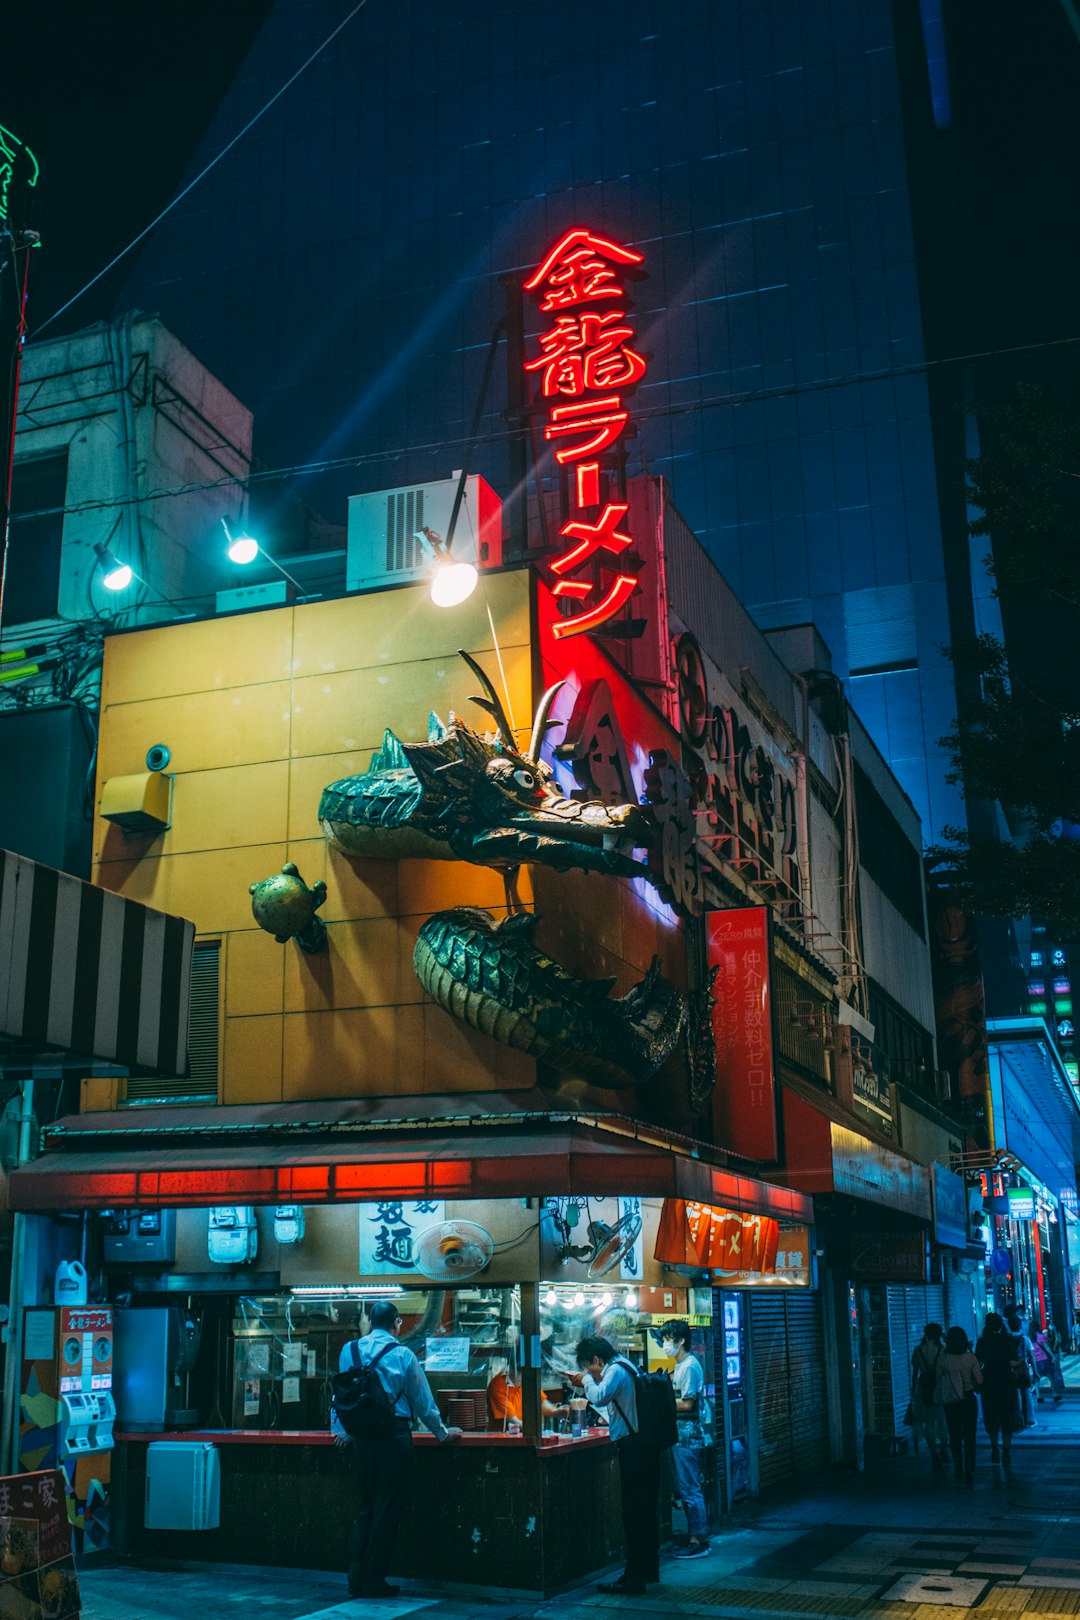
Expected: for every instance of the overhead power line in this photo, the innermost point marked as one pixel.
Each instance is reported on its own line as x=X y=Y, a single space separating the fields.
x=642 y=413
x=214 y=161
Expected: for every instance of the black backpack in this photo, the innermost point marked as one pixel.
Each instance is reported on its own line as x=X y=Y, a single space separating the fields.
x=363 y=1405
x=656 y=1411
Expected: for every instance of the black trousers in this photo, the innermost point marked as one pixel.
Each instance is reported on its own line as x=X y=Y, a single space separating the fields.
x=639 y=1487
x=961 y=1418
x=384 y=1471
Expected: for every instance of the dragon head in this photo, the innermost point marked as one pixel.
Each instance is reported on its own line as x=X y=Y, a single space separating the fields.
x=463 y=796
x=500 y=806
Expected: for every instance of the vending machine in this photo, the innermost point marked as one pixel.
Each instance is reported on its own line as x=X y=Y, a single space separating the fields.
x=66 y=1408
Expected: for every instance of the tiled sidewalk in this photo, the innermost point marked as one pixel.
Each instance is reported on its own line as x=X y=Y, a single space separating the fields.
x=896 y=1543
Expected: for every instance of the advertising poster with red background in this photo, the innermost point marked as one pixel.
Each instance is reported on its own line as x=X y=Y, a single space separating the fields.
x=744 y=1101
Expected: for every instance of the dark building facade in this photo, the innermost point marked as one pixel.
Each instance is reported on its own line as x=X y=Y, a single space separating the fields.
x=342 y=271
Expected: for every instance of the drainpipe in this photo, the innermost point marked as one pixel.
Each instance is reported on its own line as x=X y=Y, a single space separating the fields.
x=13 y=1327
x=802 y=805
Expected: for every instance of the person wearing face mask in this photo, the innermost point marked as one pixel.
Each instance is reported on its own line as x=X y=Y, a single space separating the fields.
x=686 y=1456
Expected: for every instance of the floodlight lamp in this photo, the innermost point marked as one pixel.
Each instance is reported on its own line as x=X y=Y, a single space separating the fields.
x=242 y=548
x=452 y=583
x=115 y=576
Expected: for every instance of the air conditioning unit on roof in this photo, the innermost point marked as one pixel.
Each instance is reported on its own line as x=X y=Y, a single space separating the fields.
x=382 y=545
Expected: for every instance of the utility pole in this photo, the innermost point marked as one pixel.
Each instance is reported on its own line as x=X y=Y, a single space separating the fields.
x=18 y=175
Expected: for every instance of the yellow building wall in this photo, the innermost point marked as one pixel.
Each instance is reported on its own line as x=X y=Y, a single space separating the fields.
x=260 y=712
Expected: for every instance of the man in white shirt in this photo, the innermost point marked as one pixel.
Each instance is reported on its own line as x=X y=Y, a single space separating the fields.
x=609 y=1380
x=686 y=1455
x=384 y=1463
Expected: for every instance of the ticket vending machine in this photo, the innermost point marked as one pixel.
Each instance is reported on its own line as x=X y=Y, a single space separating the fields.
x=66 y=1407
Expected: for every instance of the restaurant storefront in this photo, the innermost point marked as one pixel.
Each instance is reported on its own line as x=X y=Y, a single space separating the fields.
x=503 y=1235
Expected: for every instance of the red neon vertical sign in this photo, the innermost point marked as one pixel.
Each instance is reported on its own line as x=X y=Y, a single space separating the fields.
x=586 y=366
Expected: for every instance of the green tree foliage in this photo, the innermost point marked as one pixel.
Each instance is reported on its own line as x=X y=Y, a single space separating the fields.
x=1018 y=742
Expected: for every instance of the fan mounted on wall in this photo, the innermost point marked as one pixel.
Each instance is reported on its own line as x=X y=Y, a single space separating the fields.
x=611 y=1244
x=453 y=1251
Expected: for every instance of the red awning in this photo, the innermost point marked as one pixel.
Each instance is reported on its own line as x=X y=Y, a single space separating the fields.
x=522 y=1160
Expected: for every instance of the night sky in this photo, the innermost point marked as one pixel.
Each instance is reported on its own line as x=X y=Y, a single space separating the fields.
x=113 y=97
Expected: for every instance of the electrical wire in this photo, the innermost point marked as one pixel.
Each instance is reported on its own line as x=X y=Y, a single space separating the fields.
x=643 y=413
x=225 y=150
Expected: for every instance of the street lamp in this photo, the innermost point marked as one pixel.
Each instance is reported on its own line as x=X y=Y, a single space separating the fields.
x=115 y=575
x=243 y=549
x=451 y=582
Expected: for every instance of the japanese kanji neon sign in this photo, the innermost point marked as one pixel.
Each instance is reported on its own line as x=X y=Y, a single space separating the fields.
x=586 y=366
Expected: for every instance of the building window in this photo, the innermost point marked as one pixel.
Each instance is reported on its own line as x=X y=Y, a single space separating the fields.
x=32 y=579
x=887 y=854
x=879 y=627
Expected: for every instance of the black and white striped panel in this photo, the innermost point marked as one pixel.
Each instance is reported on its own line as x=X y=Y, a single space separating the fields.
x=86 y=971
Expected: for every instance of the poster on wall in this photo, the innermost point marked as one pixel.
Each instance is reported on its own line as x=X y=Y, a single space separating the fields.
x=389 y=1232
x=37 y=1572
x=744 y=1105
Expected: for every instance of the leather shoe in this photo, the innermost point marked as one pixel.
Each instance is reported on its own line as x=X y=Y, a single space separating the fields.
x=622 y=1588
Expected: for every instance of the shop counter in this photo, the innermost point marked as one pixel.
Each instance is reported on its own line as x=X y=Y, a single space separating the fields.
x=492 y=1510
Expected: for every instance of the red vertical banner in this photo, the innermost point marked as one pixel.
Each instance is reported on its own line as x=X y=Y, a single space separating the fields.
x=744 y=1102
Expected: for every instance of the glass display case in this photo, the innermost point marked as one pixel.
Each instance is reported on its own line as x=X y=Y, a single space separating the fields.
x=285 y=1350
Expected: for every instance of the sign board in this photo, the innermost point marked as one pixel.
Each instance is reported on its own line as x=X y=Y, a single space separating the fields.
x=871 y=1095
x=863 y=1170
x=389 y=1232
x=37 y=1573
x=742 y=782
x=446 y=1355
x=586 y=369
x=889 y=1256
x=949 y=1206
x=1021 y=1204
x=744 y=1101
x=793 y=1264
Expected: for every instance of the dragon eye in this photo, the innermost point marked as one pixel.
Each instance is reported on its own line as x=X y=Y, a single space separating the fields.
x=525 y=779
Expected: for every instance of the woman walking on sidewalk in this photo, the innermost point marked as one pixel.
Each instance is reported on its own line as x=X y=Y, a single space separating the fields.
x=1000 y=1355
x=927 y=1417
x=958 y=1377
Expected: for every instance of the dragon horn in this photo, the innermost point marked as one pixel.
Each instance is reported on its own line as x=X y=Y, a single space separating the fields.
x=492 y=703
x=541 y=723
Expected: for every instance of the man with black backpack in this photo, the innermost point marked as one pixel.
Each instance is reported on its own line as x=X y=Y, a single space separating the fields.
x=380 y=1388
x=636 y=1408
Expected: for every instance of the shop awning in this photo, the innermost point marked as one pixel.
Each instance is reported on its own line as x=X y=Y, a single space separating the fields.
x=87 y=974
x=435 y=1147
x=824 y=1157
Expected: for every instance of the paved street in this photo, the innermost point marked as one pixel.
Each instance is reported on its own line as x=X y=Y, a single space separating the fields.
x=894 y=1544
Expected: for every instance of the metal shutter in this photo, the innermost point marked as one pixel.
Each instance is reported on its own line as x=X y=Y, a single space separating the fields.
x=200 y=1084
x=788 y=1355
x=806 y=1360
x=772 y=1389
x=910 y=1307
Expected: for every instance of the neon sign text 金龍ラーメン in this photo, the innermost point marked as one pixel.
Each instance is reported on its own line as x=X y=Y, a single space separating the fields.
x=586 y=366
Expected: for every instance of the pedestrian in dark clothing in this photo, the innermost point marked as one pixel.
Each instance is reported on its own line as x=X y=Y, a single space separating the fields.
x=999 y=1353
x=610 y=1381
x=383 y=1463
x=1029 y=1392
x=927 y=1417
x=958 y=1377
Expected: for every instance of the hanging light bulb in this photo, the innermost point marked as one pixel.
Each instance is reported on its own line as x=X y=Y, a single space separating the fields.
x=115 y=575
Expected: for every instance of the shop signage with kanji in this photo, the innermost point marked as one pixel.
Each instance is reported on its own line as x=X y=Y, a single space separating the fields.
x=737 y=942
x=587 y=368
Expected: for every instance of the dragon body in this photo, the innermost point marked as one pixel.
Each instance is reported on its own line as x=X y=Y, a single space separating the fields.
x=490 y=975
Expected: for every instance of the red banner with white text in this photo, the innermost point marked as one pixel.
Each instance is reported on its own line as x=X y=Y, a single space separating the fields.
x=744 y=1101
